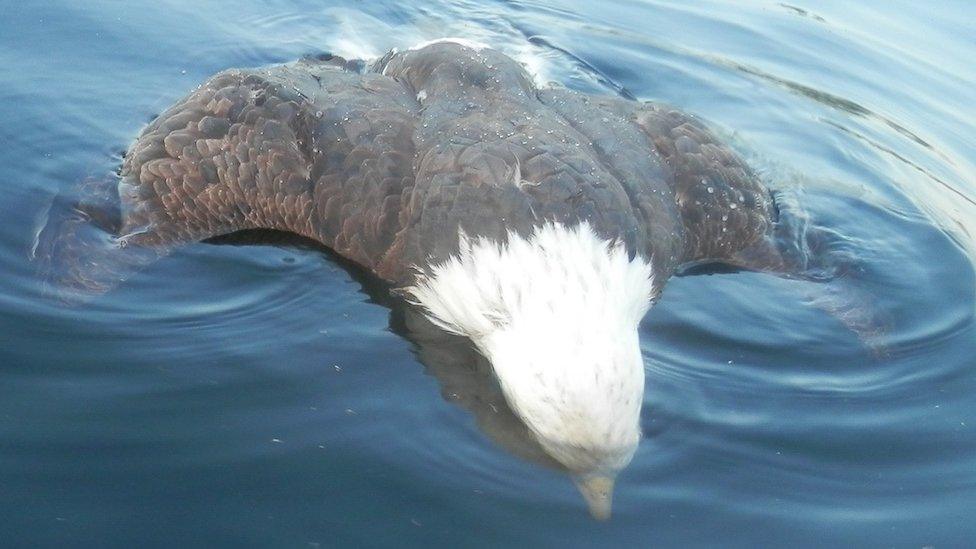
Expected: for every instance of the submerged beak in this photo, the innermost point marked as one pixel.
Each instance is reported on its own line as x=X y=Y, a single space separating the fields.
x=597 y=490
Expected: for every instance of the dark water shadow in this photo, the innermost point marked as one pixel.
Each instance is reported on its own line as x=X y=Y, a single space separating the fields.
x=465 y=375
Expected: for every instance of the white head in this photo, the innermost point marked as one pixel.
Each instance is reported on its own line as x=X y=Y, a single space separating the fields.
x=557 y=315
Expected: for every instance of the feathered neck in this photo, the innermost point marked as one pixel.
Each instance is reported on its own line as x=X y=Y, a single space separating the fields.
x=556 y=313
x=568 y=271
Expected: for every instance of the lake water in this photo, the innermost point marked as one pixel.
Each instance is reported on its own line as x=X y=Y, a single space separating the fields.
x=267 y=395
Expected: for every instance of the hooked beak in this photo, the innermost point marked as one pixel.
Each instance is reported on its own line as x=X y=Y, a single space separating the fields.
x=597 y=490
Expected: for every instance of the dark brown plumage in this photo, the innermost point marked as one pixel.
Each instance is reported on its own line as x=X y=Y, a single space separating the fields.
x=385 y=165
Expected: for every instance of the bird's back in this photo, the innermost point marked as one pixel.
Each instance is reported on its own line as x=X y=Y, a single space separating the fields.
x=385 y=164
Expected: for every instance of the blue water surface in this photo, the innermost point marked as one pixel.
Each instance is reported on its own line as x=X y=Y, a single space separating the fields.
x=239 y=394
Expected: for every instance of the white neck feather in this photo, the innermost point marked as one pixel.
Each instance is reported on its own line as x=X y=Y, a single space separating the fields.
x=556 y=314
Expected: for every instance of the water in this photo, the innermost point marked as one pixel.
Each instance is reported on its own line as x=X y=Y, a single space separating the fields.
x=267 y=395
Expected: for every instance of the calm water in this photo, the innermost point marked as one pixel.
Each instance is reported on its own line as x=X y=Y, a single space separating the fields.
x=266 y=395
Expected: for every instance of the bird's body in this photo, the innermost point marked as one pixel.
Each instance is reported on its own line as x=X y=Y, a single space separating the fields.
x=385 y=166
x=538 y=222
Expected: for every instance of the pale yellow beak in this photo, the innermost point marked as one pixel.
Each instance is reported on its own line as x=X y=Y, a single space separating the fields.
x=597 y=490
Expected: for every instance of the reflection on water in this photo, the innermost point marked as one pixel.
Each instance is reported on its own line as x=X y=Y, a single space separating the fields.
x=464 y=375
x=466 y=380
x=254 y=395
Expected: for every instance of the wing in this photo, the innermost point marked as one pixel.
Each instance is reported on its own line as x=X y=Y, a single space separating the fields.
x=724 y=207
x=308 y=147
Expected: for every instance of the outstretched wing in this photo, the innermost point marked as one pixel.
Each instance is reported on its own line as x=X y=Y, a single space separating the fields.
x=225 y=158
x=308 y=147
x=723 y=205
